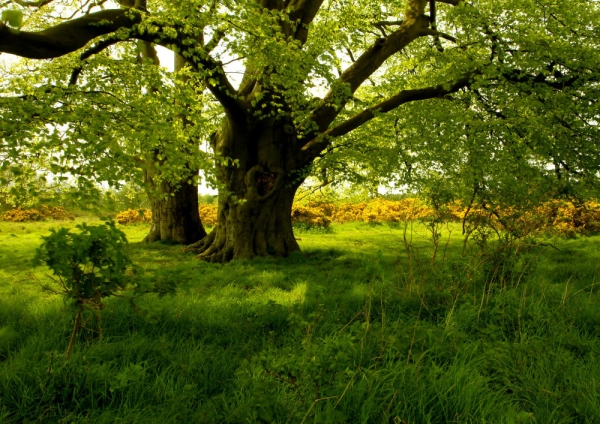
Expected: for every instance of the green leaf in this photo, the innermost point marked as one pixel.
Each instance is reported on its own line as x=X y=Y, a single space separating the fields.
x=13 y=17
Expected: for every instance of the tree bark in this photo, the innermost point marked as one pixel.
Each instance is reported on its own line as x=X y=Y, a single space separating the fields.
x=254 y=228
x=175 y=217
x=259 y=179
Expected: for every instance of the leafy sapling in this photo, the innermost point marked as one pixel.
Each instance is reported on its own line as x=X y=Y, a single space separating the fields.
x=88 y=266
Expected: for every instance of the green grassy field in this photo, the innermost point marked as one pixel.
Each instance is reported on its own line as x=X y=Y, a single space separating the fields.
x=361 y=327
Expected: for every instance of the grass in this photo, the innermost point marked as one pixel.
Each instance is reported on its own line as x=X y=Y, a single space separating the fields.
x=360 y=327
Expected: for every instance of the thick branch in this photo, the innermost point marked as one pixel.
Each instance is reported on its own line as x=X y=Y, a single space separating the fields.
x=414 y=22
x=315 y=146
x=304 y=12
x=38 y=3
x=388 y=23
x=66 y=37
x=220 y=86
x=72 y=35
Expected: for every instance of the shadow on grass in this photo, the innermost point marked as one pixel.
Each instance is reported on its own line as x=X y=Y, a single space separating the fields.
x=337 y=329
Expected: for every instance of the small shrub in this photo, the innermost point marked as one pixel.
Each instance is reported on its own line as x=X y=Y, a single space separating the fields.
x=88 y=267
x=208 y=214
x=57 y=213
x=310 y=217
x=23 y=215
x=134 y=216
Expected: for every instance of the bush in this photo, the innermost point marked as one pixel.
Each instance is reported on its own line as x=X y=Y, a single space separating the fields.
x=381 y=210
x=134 y=216
x=310 y=217
x=349 y=212
x=568 y=219
x=208 y=214
x=556 y=217
x=88 y=266
x=57 y=213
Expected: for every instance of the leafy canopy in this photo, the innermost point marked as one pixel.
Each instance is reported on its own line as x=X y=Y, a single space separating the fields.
x=497 y=99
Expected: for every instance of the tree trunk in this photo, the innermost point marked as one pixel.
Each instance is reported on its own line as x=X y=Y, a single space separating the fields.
x=259 y=178
x=175 y=216
x=251 y=228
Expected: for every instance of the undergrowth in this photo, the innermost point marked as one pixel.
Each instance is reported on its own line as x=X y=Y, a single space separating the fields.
x=361 y=327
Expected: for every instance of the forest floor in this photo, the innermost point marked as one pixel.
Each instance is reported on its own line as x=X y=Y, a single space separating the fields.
x=363 y=326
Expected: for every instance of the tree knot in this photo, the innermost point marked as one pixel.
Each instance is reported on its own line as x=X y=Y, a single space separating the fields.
x=265 y=181
x=288 y=129
x=380 y=42
x=261 y=183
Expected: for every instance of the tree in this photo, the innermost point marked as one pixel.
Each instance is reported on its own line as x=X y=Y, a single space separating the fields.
x=91 y=130
x=173 y=201
x=455 y=84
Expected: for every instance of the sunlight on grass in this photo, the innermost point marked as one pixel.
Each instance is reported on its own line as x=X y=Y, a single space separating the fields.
x=360 y=323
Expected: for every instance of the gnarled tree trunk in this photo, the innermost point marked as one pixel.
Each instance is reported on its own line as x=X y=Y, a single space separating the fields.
x=175 y=216
x=259 y=179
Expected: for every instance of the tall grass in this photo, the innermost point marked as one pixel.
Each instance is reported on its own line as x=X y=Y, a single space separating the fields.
x=361 y=327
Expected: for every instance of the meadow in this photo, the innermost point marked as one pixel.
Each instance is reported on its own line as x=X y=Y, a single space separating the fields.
x=364 y=326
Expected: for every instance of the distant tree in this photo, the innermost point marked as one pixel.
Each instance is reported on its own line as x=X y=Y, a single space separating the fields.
x=491 y=96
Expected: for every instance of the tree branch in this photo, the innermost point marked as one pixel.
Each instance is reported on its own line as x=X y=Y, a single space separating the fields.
x=561 y=81
x=25 y=3
x=352 y=78
x=388 y=23
x=436 y=33
x=304 y=12
x=66 y=37
x=220 y=86
x=95 y=49
x=452 y=2
x=315 y=146
x=74 y=34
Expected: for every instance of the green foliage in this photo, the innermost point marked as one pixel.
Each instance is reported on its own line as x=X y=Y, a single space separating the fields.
x=128 y=196
x=521 y=133
x=344 y=332
x=13 y=17
x=90 y=264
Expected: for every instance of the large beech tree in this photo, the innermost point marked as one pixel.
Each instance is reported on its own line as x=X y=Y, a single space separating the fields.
x=499 y=81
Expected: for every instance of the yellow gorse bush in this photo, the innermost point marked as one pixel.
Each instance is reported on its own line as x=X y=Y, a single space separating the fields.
x=556 y=217
x=57 y=213
x=311 y=216
x=208 y=213
x=134 y=216
x=381 y=210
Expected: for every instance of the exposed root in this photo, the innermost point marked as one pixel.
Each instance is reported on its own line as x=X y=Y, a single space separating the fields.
x=201 y=245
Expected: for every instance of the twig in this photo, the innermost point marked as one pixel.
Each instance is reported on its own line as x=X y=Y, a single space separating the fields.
x=313 y=405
